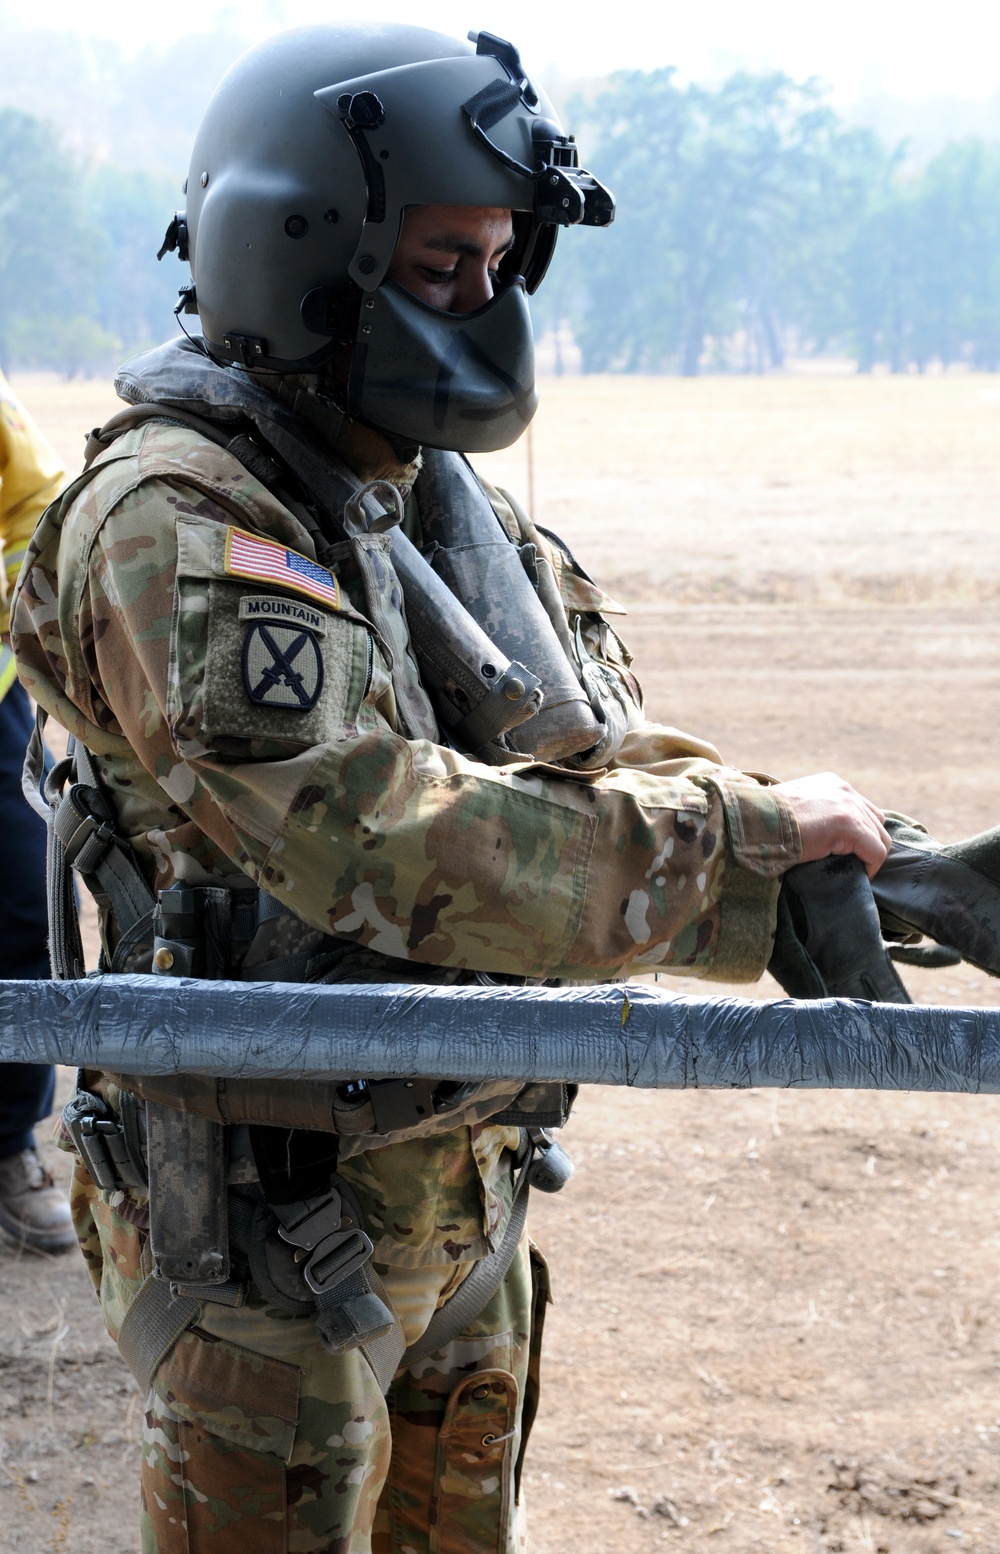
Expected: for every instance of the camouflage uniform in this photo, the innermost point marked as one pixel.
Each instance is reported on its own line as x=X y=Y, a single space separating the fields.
x=132 y=624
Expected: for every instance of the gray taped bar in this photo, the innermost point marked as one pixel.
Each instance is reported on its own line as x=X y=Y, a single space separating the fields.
x=614 y=1035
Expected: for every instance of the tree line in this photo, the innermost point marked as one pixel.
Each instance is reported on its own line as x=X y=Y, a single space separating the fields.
x=79 y=283
x=753 y=222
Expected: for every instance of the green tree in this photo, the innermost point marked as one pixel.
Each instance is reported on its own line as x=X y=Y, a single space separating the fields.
x=47 y=244
x=134 y=295
x=730 y=204
x=924 y=265
x=79 y=280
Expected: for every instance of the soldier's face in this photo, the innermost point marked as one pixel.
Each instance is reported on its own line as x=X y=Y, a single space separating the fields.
x=448 y=255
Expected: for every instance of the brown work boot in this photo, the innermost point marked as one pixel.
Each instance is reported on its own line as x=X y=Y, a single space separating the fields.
x=33 y=1210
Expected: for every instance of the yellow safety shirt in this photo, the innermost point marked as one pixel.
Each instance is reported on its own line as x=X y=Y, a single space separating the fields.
x=30 y=477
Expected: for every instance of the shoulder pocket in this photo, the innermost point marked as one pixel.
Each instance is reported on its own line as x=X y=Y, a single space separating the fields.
x=260 y=649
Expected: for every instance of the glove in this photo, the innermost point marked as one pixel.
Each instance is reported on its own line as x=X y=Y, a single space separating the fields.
x=951 y=894
x=828 y=942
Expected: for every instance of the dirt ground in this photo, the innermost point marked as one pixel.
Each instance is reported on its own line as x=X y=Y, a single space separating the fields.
x=775 y=1326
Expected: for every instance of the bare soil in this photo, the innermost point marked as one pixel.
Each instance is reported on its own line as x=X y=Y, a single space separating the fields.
x=775 y=1323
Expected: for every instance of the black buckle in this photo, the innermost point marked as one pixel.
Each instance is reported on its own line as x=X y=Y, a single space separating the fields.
x=400 y=1103
x=249 y=349
x=336 y=1252
x=85 y=833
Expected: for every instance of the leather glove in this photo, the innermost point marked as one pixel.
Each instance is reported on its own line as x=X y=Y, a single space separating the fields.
x=828 y=942
x=951 y=894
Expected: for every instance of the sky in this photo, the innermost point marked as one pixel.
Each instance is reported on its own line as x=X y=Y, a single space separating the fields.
x=860 y=48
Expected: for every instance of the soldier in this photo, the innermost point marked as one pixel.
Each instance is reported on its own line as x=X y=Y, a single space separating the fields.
x=33 y=1211
x=303 y=649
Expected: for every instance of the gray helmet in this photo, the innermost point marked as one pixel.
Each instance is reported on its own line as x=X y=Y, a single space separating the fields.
x=312 y=149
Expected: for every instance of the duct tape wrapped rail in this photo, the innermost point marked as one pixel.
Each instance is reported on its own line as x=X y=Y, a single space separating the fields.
x=614 y=1034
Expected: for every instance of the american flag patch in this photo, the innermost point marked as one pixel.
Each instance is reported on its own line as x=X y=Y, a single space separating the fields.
x=265 y=562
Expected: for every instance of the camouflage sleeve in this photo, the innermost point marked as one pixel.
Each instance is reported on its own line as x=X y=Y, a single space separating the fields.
x=404 y=846
x=753 y=818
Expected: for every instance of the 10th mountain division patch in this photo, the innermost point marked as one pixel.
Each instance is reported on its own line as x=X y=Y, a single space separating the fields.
x=282 y=660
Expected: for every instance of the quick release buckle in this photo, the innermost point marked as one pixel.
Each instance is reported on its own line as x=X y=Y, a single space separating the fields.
x=336 y=1252
x=85 y=833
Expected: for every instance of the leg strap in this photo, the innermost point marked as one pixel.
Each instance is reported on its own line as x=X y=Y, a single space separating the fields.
x=476 y=1292
x=153 y=1323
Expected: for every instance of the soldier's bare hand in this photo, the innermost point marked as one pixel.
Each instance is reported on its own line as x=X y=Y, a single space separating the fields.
x=833 y=817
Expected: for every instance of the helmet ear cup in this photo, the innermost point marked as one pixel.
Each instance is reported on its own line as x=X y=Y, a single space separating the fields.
x=332 y=311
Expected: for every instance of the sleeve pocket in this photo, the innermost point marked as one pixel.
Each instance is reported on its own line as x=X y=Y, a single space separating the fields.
x=249 y=663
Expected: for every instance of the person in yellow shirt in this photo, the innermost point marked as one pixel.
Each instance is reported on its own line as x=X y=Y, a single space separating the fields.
x=33 y=1211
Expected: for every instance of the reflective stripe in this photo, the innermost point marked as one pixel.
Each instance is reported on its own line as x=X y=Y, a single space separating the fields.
x=8 y=670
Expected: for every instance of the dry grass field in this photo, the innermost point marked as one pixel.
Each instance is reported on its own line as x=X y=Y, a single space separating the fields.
x=776 y=1321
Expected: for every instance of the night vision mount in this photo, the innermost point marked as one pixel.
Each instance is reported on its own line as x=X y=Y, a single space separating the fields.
x=566 y=195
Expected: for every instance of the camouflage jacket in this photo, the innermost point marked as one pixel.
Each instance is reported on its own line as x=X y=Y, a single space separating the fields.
x=137 y=625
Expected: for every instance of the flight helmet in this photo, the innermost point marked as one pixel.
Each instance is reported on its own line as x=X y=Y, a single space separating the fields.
x=312 y=149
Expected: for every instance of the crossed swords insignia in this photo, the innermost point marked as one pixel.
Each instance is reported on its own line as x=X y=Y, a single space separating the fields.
x=281 y=669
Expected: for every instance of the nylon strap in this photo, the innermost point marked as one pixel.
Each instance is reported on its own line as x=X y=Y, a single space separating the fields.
x=43 y=794
x=474 y=1295
x=153 y=1323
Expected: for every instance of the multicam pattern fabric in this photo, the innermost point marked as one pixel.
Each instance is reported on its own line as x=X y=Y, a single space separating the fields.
x=255 y=1438
x=126 y=625
x=130 y=631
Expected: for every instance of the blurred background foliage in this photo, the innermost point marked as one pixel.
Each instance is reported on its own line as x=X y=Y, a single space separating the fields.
x=753 y=224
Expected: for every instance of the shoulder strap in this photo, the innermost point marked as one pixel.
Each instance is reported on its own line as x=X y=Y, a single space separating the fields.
x=242 y=447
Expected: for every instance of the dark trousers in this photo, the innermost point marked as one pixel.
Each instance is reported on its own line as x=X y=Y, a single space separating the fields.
x=26 y=1089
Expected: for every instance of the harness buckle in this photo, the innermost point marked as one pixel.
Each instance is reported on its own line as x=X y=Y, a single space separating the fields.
x=85 y=832
x=336 y=1252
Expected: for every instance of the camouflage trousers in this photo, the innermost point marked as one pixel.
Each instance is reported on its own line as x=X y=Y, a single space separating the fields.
x=259 y=1441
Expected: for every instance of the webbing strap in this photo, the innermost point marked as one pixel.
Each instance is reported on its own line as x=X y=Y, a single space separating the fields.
x=153 y=1323
x=92 y=847
x=384 y=1352
x=476 y=1292
x=158 y=1315
x=81 y=833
